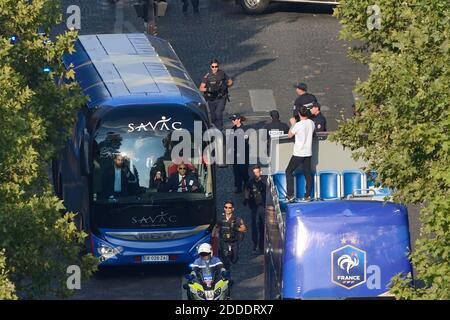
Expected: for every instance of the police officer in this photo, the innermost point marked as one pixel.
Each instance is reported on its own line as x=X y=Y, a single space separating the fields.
x=194 y=5
x=255 y=197
x=319 y=120
x=304 y=99
x=240 y=157
x=230 y=229
x=215 y=86
x=275 y=127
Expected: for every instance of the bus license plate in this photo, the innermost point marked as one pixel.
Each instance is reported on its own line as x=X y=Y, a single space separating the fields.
x=155 y=258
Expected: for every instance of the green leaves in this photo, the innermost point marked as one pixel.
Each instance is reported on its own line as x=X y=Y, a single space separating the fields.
x=37 y=115
x=6 y=286
x=403 y=124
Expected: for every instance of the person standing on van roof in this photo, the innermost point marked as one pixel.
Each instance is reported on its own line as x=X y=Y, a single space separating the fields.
x=302 y=154
x=215 y=86
x=304 y=99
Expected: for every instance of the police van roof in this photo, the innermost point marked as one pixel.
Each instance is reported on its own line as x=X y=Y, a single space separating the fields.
x=117 y=69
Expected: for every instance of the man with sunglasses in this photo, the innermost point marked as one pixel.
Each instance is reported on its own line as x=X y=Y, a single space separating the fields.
x=182 y=180
x=215 y=86
x=230 y=229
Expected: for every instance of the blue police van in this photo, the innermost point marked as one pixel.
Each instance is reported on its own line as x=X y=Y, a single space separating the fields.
x=113 y=170
x=346 y=243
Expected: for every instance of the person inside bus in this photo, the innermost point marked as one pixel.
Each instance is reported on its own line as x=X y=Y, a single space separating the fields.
x=119 y=180
x=182 y=180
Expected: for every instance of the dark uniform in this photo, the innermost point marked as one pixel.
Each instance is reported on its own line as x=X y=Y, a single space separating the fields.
x=194 y=5
x=307 y=100
x=216 y=95
x=321 y=123
x=274 y=129
x=255 y=196
x=240 y=170
x=229 y=237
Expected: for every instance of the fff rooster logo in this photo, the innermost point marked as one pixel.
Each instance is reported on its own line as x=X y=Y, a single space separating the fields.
x=348 y=266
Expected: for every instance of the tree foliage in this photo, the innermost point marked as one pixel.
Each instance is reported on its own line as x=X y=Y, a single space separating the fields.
x=6 y=286
x=402 y=122
x=36 y=115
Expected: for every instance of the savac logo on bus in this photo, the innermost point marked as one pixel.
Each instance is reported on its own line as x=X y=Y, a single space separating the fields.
x=349 y=269
x=162 y=124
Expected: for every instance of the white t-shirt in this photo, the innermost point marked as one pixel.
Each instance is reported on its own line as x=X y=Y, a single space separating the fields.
x=303 y=131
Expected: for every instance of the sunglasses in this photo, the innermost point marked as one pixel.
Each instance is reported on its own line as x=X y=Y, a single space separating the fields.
x=214 y=67
x=226 y=207
x=182 y=168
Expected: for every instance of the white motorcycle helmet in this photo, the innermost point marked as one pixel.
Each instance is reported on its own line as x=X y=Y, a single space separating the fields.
x=205 y=248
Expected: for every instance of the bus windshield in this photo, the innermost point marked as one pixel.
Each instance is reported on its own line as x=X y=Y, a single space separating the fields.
x=133 y=163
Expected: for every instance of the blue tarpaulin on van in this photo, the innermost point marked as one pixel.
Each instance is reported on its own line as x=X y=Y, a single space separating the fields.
x=339 y=249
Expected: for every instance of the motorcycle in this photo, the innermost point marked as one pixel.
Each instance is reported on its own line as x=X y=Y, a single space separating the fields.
x=207 y=286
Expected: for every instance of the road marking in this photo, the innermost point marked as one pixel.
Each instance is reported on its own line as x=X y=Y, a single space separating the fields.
x=262 y=100
x=118 y=24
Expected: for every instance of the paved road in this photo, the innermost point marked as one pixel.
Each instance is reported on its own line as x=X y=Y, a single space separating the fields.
x=268 y=52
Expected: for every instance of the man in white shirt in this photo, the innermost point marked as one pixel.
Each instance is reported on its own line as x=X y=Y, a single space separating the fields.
x=303 y=132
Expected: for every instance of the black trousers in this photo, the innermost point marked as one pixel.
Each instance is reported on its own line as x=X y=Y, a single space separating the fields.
x=240 y=172
x=294 y=163
x=228 y=253
x=216 y=109
x=258 y=217
x=194 y=4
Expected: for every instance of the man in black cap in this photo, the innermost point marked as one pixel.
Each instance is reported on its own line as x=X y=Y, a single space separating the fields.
x=275 y=127
x=304 y=99
x=319 y=120
x=241 y=157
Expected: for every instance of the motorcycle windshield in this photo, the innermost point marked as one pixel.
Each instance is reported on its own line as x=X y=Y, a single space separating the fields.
x=207 y=276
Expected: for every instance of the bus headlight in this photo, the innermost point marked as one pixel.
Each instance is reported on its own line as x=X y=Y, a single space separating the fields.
x=107 y=252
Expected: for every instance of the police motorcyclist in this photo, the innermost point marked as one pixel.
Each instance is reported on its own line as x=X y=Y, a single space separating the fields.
x=206 y=260
x=255 y=197
x=304 y=99
x=230 y=229
x=215 y=86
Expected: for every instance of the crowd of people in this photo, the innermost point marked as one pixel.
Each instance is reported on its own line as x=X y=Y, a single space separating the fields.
x=306 y=120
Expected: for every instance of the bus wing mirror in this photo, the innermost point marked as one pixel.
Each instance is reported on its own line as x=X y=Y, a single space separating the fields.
x=86 y=154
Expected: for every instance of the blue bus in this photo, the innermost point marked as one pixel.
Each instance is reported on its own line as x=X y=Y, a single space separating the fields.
x=347 y=243
x=113 y=170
